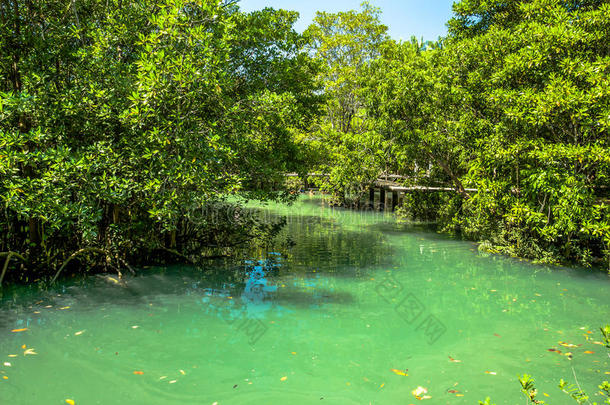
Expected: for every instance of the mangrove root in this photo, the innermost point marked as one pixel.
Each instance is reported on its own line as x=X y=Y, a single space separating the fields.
x=9 y=255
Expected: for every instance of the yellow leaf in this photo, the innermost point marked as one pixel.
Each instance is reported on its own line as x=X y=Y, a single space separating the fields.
x=399 y=372
x=70 y=401
x=29 y=351
x=23 y=346
x=19 y=330
x=182 y=372
x=64 y=308
x=283 y=378
x=293 y=353
x=5 y=377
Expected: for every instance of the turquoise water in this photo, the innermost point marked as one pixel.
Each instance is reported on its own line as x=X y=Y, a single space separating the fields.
x=323 y=317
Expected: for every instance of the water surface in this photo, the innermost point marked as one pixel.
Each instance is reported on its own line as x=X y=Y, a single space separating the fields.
x=323 y=317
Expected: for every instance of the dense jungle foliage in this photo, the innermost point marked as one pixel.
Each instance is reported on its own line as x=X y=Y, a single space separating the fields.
x=514 y=103
x=124 y=126
x=133 y=131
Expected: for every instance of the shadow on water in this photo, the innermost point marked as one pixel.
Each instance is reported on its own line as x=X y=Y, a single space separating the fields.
x=251 y=288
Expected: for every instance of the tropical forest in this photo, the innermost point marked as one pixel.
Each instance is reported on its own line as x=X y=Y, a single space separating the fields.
x=272 y=201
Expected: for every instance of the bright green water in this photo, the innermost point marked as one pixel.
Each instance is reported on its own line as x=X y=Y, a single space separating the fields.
x=323 y=321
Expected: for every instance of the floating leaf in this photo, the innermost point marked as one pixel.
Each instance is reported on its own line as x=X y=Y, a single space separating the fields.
x=399 y=372
x=5 y=377
x=12 y=355
x=23 y=346
x=70 y=401
x=80 y=332
x=7 y=364
x=420 y=393
x=496 y=335
x=64 y=308
x=491 y=372
x=570 y=345
x=29 y=351
x=19 y=330
x=283 y=378
x=293 y=353
x=451 y=359
x=139 y=372
x=173 y=381
x=453 y=391
x=588 y=352
x=182 y=372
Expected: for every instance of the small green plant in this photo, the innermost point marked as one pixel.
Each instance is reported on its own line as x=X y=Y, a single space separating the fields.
x=529 y=390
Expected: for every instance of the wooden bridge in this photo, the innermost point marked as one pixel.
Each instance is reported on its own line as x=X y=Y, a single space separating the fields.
x=386 y=193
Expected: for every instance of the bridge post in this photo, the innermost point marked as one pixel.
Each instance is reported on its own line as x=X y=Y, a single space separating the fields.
x=371 y=205
x=394 y=200
x=381 y=198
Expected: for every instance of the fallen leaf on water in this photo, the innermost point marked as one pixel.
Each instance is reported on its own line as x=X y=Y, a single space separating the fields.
x=554 y=350
x=23 y=346
x=12 y=355
x=588 y=352
x=29 y=351
x=496 y=335
x=7 y=364
x=381 y=386
x=64 y=308
x=607 y=372
x=491 y=372
x=451 y=359
x=80 y=332
x=399 y=372
x=597 y=343
x=163 y=377
x=135 y=327
x=420 y=392
x=294 y=353
x=139 y=372
x=5 y=377
x=570 y=345
x=70 y=401
x=453 y=391
x=545 y=394
x=19 y=330
x=182 y=372
x=173 y=381
x=283 y=378
x=459 y=395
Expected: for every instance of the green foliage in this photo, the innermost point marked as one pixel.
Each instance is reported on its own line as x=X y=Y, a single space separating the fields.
x=345 y=145
x=124 y=124
x=513 y=104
